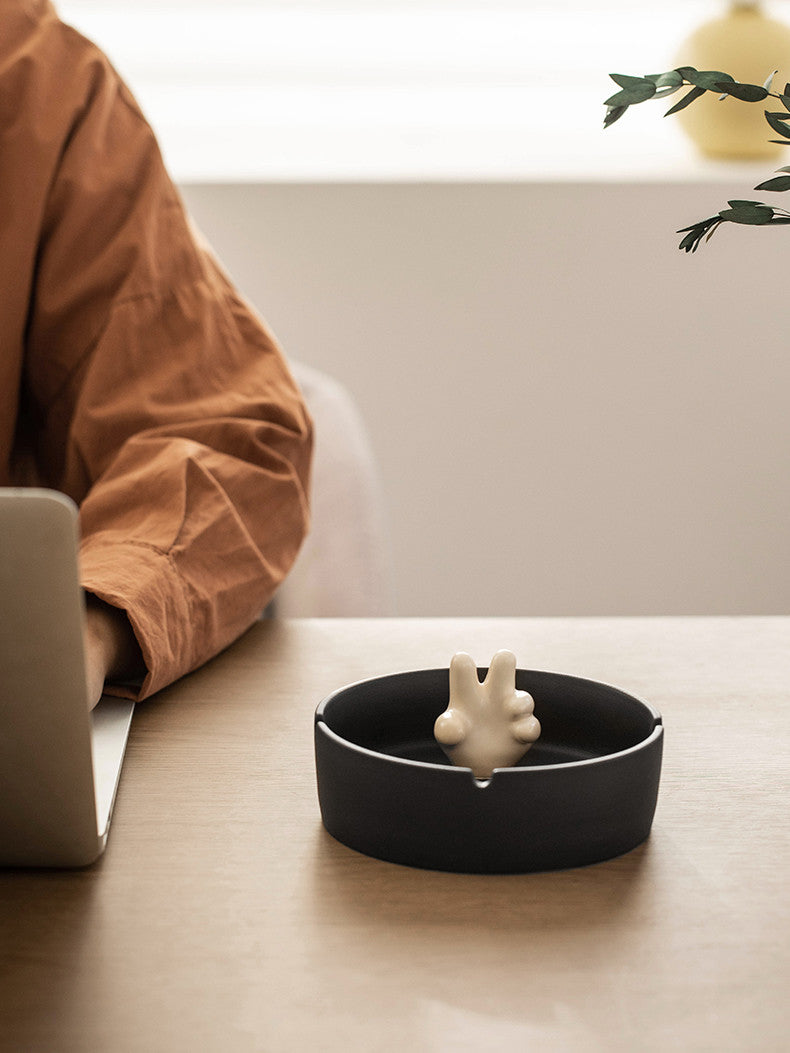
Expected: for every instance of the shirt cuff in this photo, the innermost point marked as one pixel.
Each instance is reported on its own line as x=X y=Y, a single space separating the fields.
x=141 y=580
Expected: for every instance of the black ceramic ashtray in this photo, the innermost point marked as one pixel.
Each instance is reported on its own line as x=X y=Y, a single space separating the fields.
x=586 y=790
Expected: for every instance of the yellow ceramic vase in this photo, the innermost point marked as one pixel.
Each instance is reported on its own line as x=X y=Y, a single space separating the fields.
x=748 y=44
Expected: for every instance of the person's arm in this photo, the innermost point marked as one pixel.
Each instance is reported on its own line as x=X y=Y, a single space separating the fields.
x=160 y=402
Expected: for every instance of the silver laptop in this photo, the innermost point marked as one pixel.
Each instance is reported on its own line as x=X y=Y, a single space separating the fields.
x=59 y=762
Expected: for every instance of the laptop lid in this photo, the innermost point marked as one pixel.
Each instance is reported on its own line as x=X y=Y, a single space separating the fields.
x=55 y=798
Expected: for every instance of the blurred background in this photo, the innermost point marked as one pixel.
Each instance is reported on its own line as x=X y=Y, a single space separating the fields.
x=566 y=414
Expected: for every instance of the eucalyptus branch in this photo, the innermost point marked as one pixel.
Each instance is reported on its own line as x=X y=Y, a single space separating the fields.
x=634 y=90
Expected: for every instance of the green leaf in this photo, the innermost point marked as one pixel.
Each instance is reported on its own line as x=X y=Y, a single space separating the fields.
x=712 y=229
x=744 y=92
x=778 y=124
x=702 y=223
x=756 y=219
x=752 y=213
x=622 y=80
x=687 y=71
x=666 y=83
x=613 y=113
x=785 y=99
x=698 y=231
x=690 y=242
x=779 y=183
x=639 y=92
x=666 y=91
x=672 y=79
x=710 y=80
x=785 y=169
x=779 y=142
x=687 y=99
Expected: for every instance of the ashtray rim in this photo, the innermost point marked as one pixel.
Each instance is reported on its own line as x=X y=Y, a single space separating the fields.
x=603 y=758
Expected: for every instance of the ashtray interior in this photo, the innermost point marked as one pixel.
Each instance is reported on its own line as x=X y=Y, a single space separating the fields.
x=585 y=791
x=579 y=719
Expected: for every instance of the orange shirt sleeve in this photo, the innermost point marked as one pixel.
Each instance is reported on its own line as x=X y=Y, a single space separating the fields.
x=158 y=399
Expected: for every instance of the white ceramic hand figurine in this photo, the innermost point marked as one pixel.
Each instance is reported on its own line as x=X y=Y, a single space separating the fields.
x=488 y=725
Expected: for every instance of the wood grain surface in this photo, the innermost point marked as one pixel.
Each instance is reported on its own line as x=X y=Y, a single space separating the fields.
x=224 y=917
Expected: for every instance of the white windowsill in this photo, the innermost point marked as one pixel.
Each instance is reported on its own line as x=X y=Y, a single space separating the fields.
x=251 y=92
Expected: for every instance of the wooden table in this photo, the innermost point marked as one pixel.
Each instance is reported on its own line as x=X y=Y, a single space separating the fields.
x=224 y=917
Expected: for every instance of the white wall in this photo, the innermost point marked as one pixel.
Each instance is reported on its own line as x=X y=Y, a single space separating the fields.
x=570 y=416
